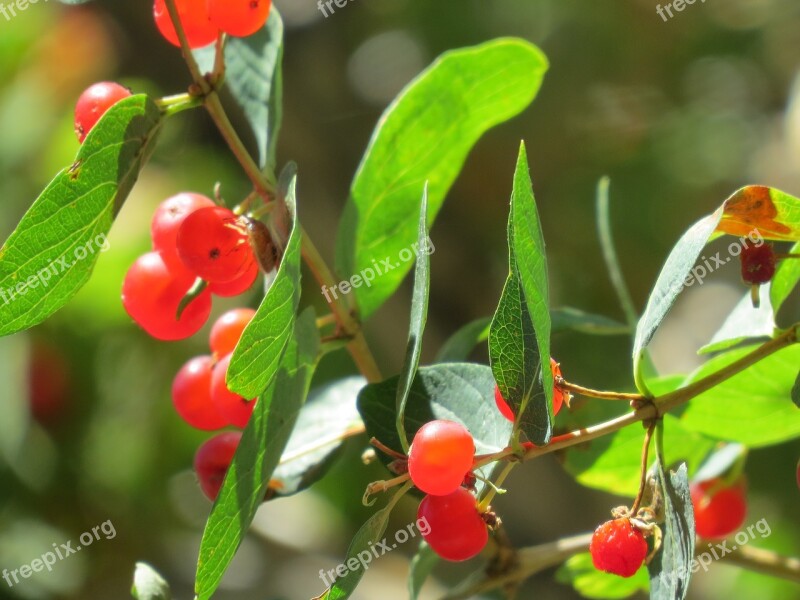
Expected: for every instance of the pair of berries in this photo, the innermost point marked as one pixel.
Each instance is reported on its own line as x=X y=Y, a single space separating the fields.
x=192 y=238
x=440 y=458
x=203 y=20
x=720 y=508
x=558 y=395
x=199 y=392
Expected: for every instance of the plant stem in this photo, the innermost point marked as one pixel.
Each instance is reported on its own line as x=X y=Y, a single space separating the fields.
x=766 y=562
x=583 y=391
x=493 y=489
x=643 y=481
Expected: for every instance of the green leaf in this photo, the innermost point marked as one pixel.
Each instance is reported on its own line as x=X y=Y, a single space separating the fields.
x=254 y=76
x=460 y=392
x=566 y=318
x=329 y=413
x=53 y=250
x=724 y=460
x=519 y=337
x=673 y=277
x=148 y=584
x=258 y=354
x=580 y=573
x=419 y=316
x=420 y=569
x=460 y=345
x=426 y=135
x=670 y=569
x=752 y=407
x=786 y=277
x=744 y=324
x=262 y=444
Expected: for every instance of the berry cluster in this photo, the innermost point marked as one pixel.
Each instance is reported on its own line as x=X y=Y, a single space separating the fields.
x=193 y=239
x=559 y=395
x=93 y=104
x=720 y=508
x=203 y=20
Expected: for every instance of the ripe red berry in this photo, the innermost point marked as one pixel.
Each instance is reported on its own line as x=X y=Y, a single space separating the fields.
x=239 y=18
x=167 y=220
x=558 y=395
x=213 y=244
x=151 y=295
x=758 y=264
x=456 y=531
x=191 y=395
x=235 y=409
x=93 y=104
x=238 y=286
x=213 y=459
x=502 y=405
x=440 y=456
x=200 y=31
x=618 y=547
x=227 y=330
x=719 y=509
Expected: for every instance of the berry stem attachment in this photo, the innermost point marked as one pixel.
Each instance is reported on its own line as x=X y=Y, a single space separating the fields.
x=383 y=485
x=386 y=450
x=496 y=487
x=583 y=391
x=643 y=481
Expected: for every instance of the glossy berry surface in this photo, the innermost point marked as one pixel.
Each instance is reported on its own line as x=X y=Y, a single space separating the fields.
x=151 y=295
x=191 y=395
x=212 y=461
x=558 y=395
x=227 y=330
x=719 y=509
x=213 y=244
x=440 y=456
x=93 y=104
x=238 y=286
x=167 y=219
x=200 y=31
x=758 y=264
x=235 y=409
x=618 y=547
x=239 y=18
x=456 y=530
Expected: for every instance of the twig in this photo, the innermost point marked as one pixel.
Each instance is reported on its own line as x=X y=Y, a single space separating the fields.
x=766 y=562
x=583 y=391
x=643 y=482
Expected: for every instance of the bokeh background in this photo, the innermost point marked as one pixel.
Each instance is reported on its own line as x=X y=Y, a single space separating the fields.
x=679 y=114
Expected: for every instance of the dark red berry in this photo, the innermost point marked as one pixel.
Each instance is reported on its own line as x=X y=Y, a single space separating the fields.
x=200 y=31
x=235 y=409
x=151 y=295
x=440 y=456
x=618 y=547
x=719 y=508
x=93 y=104
x=456 y=530
x=227 y=330
x=167 y=219
x=191 y=395
x=48 y=382
x=758 y=264
x=213 y=244
x=212 y=461
x=239 y=18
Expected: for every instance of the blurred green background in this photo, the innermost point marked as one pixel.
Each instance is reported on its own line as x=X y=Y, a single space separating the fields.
x=678 y=113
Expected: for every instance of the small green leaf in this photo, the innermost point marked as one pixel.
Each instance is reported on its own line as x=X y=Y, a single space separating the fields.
x=148 y=584
x=329 y=413
x=262 y=444
x=572 y=319
x=752 y=407
x=419 y=316
x=426 y=135
x=519 y=337
x=581 y=574
x=258 y=354
x=51 y=253
x=744 y=324
x=420 y=569
x=460 y=345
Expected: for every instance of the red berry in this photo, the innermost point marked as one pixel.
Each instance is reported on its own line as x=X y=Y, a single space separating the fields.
x=618 y=547
x=213 y=459
x=456 y=530
x=440 y=456
x=237 y=286
x=151 y=295
x=227 y=330
x=502 y=405
x=235 y=409
x=200 y=31
x=213 y=244
x=758 y=264
x=239 y=18
x=191 y=395
x=719 y=509
x=558 y=395
x=167 y=220
x=93 y=104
